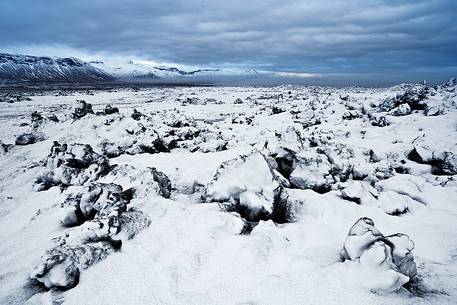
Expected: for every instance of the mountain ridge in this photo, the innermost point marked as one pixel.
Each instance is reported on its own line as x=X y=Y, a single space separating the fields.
x=36 y=69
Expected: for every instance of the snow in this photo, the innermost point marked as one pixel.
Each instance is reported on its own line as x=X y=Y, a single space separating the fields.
x=185 y=242
x=249 y=181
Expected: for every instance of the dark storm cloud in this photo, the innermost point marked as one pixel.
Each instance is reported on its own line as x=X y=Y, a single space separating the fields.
x=356 y=36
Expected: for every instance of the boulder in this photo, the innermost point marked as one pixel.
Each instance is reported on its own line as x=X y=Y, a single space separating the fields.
x=73 y=164
x=141 y=182
x=29 y=138
x=401 y=110
x=434 y=111
x=378 y=119
x=5 y=148
x=311 y=171
x=443 y=162
x=415 y=97
x=102 y=220
x=360 y=237
x=110 y=110
x=386 y=262
x=248 y=186
x=163 y=181
x=81 y=109
x=136 y=115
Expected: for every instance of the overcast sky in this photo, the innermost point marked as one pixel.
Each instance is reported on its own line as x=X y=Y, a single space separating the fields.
x=397 y=38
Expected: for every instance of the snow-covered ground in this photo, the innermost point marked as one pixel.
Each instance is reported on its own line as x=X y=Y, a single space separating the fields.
x=230 y=195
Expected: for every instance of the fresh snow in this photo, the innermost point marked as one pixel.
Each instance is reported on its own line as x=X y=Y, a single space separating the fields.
x=230 y=195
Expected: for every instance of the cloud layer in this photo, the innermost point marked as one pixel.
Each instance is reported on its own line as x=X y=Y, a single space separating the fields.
x=398 y=37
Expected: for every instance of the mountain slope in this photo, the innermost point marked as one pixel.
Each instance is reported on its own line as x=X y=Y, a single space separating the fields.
x=24 y=68
x=138 y=70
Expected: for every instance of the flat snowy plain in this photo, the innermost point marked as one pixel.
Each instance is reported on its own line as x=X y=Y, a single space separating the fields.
x=267 y=228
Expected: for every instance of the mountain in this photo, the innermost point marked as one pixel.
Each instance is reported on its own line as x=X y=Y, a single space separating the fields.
x=39 y=69
x=25 y=68
x=140 y=70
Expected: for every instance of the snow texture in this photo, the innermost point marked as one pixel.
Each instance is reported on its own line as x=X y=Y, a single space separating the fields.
x=229 y=195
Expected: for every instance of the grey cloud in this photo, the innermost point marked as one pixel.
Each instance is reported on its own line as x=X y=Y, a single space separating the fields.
x=356 y=36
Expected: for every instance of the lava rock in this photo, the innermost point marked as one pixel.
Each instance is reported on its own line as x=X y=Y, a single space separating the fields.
x=442 y=162
x=377 y=119
x=73 y=164
x=434 y=111
x=81 y=109
x=110 y=110
x=248 y=186
x=361 y=235
x=163 y=181
x=5 y=148
x=103 y=213
x=29 y=138
x=60 y=267
x=352 y=114
x=311 y=171
x=136 y=115
x=415 y=98
x=387 y=261
x=401 y=110
x=36 y=118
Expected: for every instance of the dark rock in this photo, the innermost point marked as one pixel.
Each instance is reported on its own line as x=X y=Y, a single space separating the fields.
x=136 y=115
x=81 y=109
x=442 y=162
x=73 y=164
x=60 y=267
x=276 y=110
x=163 y=181
x=5 y=148
x=378 y=119
x=414 y=97
x=36 y=118
x=103 y=212
x=110 y=110
x=53 y=118
x=361 y=235
x=29 y=138
x=352 y=114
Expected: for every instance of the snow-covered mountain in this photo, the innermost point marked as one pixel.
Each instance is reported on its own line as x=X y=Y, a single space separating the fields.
x=44 y=69
x=25 y=68
x=132 y=69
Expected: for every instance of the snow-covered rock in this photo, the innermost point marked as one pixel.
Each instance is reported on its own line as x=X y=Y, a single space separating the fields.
x=29 y=138
x=71 y=164
x=81 y=109
x=443 y=162
x=247 y=185
x=4 y=148
x=100 y=215
x=311 y=171
x=361 y=235
x=386 y=261
x=143 y=183
x=402 y=109
x=415 y=97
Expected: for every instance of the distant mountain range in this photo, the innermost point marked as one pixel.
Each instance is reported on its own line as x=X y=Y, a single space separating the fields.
x=24 y=68
x=39 y=69
x=136 y=70
x=42 y=69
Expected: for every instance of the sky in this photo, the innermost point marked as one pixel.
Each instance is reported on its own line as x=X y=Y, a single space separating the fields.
x=392 y=40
